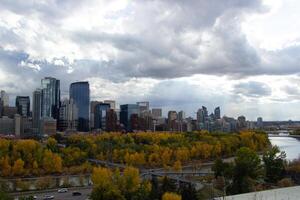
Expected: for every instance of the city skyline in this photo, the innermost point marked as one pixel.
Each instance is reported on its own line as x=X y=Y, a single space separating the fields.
x=117 y=105
x=172 y=54
x=165 y=109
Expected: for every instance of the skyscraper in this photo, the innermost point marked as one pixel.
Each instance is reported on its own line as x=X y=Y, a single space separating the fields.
x=217 y=113
x=143 y=106
x=156 y=113
x=36 y=108
x=23 y=105
x=181 y=115
x=172 y=115
x=260 y=123
x=100 y=114
x=50 y=97
x=112 y=104
x=80 y=94
x=205 y=112
x=127 y=114
x=4 y=98
x=92 y=113
x=67 y=116
x=200 y=116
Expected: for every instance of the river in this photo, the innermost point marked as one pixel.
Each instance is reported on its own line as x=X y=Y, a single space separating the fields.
x=290 y=145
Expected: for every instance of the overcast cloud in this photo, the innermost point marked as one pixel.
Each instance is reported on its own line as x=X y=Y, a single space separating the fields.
x=176 y=54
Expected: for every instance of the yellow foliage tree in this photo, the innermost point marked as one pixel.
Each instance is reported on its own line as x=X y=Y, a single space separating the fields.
x=57 y=163
x=52 y=163
x=5 y=166
x=18 y=168
x=101 y=176
x=177 y=166
x=171 y=196
x=132 y=180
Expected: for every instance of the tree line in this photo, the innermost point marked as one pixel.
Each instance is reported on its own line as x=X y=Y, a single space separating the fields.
x=148 y=150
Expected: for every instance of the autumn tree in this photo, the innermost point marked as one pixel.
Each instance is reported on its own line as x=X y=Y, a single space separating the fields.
x=52 y=144
x=171 y=196
x=52 y=163
x=131 y=180
x=5 y=166
x=18 y=167
x=177 y=166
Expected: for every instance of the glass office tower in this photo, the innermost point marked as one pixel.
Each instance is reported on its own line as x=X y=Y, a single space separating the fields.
x=100 y=115
x=126 y=114
x=23 y=105
x=80 y=95
x=36 y=108
x=50 y=99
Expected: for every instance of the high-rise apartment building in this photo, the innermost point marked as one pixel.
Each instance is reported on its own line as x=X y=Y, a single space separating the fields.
x=23 y=105
x=111 y=120
x=172 y=115
x=50 y=97
x=241 y=122
x=80 y=94
x=260 y=123
x=217 y=113
x=200 y=116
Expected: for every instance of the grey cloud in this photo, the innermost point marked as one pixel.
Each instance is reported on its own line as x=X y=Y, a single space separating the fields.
x=156 y=48
x=159 y=52
x=252 y=89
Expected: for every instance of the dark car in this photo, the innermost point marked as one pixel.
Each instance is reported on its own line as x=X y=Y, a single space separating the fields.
x=76 y=194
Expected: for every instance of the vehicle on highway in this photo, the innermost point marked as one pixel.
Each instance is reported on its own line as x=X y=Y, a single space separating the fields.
x=48 y=197
x=28 y=197
x=76 y=194
x=62 y=190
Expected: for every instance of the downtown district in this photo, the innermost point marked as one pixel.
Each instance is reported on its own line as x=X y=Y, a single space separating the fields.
x=50 y=114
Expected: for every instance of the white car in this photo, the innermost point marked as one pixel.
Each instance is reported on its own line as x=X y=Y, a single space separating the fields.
x=62 y=190
x=47 y=197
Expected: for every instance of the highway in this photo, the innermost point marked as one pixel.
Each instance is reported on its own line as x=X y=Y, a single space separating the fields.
x=85 y=192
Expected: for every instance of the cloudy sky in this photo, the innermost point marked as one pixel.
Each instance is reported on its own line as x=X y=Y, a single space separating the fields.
x=242 y=55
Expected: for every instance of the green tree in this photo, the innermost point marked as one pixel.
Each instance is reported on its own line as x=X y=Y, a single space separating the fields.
x=168 y=185
x=109 y=192
x=274 y=164
x=143 y=193
x=247 y=170
x=3 y=192
x=188 y=192
x=155 y=193
x=221 y=168
x=5 y=196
